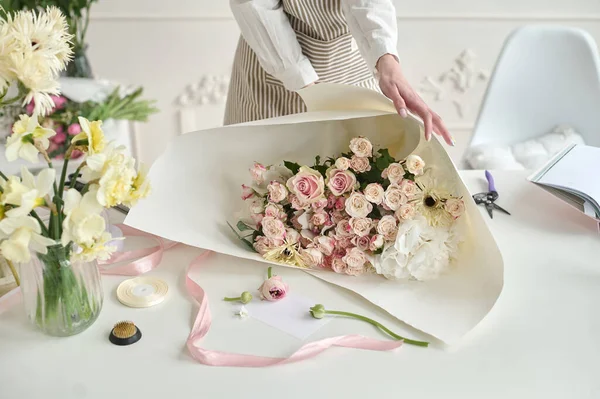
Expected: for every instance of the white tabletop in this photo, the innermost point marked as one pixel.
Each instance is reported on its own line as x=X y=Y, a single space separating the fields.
x=539 y=341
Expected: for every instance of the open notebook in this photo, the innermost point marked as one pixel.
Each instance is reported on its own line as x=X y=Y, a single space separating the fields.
x=572 y=175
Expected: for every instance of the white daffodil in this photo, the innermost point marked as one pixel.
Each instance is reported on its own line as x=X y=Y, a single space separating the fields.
x=28 y=192
x=20 y=143
x=20 y=234
x=92 y=132
x=100 y=249
x=140 y=188
x=83 y=224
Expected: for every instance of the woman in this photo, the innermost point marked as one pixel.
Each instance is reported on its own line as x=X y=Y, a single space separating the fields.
x=287 y=45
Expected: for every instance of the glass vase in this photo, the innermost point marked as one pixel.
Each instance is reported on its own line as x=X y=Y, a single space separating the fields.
x=79 y=67
x=62 y=297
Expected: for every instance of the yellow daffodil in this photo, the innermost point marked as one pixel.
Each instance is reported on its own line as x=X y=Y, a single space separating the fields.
x=19 y=234
x=93 y=134
x=28 y=192
x=27 y=131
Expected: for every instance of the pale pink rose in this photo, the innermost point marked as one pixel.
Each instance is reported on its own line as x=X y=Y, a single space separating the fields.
x=340 y=203
x=374 y=193
x=273 y=228
x=256 y=204
x=275 y=211
x=325 y=244
x=342 y=163
x=387 y=227
x=355 y=260
x=338 y=265
x=337 y=216
x=257 y=218
x=415 y=165
x=262 y=244
x=361 y=147
x=376 y=242
x=361 y=226
x=307 y=185
x=331 y=200
x=455 y=207
x=258 y=171
x=343 y=228
x=340 y=181
x=394 y=173
x=273 y=289
x=74 y=129
x=277 y=192
x=342 y=243
x=409 y=188
x=320 y=204
x=362 y=242
x=312 y=257
x=357 y=206
x=406 y=211
x=59 y=138
x=319 y=218
x=360 y=164
x=292 y=236
x=247 y=192
x=394 y=197
x=297 y=204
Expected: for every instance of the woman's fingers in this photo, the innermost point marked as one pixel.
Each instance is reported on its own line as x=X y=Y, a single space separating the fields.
x=440 y=129
x=391 y=92
x=419 y=108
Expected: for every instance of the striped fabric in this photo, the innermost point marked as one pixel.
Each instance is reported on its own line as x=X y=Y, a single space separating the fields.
x=323 y=34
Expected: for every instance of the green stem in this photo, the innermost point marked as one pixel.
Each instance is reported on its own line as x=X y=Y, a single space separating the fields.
x=74 y=180
x=2 y=175
x=42 y=225
x=269 y=272
x=14 y=272
x=55 y=226
x=378 y=325
x=232 y=299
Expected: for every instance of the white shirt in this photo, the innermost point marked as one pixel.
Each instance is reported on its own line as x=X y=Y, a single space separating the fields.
x=267 y=30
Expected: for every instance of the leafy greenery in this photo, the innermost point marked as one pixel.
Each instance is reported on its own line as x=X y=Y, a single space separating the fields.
x=292 y=166
x=129 y=107
x=243 y=239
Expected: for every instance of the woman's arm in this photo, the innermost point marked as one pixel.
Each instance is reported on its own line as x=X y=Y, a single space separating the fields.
x=267 y=30
x=373 y=24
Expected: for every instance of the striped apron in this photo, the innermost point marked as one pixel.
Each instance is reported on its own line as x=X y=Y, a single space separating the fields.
x=323 y=34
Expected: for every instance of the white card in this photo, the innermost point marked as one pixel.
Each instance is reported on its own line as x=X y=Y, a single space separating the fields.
x=290 y=314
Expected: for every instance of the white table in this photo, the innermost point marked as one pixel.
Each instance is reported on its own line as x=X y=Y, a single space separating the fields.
x=539 y=341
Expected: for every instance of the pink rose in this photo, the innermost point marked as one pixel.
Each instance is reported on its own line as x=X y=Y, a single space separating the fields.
x=343 y=242
x=292 y=236
x=340 y=181
x=340 y=203
x=394 y=173
x=74 y=129
x=362 y=243
x=374 y=193
x=257 y=172
x=342 y=163
x=320 y=204
x=455 y=207
x=360 y=164
x=262 y=244
x=357 y=206
x=312 y=257
x=387 y=227
x=409 y=188
x=273 y=289
x=277 y=192
x=319 y=218
x=355 y=260
x=307 y=185
x=325 y=244
x=275 y=211
x=406 y=211
x=247 y=192
x=331 y=200
x=415 y=164
x=337 y=216
x=297 y=204
x=394 y=197
x=343 y=228
x=273 y=228
x=257 y=218
x=338 y=265
x=59 y=138
x=361 y=226
x=255 y=204
x=377 y=242
x=361 y=147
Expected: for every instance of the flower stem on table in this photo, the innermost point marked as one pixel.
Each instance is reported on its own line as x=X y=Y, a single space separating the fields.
x=319 y=311
x=244 y=298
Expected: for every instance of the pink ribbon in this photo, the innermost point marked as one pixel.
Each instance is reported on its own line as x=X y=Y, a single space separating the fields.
x=150 y=258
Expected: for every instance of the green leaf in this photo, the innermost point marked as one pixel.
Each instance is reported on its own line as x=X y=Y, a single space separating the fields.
x=375 y=213
x=317 y=160
x=243 y=226
x=248 y=243
x=294 y=167
x=322 y=169
x=382 y=163
x=378 y=251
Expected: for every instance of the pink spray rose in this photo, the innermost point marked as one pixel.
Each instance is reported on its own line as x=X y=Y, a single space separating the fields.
x=275 y=211
x=455 y=207
x=362 y=243
x=340 y=203
x=307 y=185
x=277 y=192
x=361 y=147
x=357 y=206
x=360 y=164
x=406 y=211
x=394 y=173
x=262 y=244
x=343 y=228
x=361 y=226
x=387 y=227
x=319 y=218
x=273 y=228
x=292 y=236
x=312 y=257
x=376 y=242
x=374 y=193
x=355 y=260
x=257 y=171
x=320 y=204
x=338 y=265
x=257 y=218
x=74 y=129
x=297 y=204
x=247 y=192
x=342 y=163
x=409 y=188
x=325 y=244
x=415 y=164
x=394 y=197
x=273 y=289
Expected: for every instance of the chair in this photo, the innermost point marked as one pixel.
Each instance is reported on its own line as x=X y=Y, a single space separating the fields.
x=545 y=76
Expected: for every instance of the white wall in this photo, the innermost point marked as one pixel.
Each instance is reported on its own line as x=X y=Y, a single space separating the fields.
x=181 y=52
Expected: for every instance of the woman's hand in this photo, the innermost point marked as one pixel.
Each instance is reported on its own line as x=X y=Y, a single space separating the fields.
x=395 y=86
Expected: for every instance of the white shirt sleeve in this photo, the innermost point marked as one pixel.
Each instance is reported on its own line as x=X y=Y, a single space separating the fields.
x=374 y=26
x=267 y=30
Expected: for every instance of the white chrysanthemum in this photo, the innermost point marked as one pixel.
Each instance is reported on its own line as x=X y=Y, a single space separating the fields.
x=28 y=192
x=421 y=251
x=84 y=223
x=20 y=234
x=20 y=144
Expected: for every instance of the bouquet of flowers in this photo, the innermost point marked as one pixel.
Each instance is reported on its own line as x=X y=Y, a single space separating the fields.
x=357 y=213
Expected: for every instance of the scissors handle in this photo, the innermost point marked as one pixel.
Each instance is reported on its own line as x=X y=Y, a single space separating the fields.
x=490 y=179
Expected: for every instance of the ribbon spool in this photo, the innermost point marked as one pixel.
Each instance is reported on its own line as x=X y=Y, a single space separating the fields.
x=142 y=292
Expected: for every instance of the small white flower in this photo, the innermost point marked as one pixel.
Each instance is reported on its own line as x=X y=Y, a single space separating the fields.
x=26 y=131
x=243 y=312
x=27 y=193
x=83 y=224
x=20 y=234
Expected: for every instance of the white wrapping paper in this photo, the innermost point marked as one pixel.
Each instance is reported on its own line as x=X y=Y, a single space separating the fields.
x=196 y=190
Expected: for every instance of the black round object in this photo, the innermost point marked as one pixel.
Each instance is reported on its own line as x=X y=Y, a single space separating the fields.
x=125 y=341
